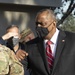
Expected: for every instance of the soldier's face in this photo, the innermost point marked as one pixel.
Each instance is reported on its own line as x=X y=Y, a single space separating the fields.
x=14 y=30
x=15 y=39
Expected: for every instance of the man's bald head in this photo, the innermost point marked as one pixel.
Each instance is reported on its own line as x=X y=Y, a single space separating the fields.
x=48 y=13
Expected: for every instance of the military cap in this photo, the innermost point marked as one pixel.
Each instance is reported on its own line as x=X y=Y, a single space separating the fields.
x=25 y=32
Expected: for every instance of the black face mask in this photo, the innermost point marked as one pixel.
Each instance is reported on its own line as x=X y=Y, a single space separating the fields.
x=42 y=32
x=13 y=41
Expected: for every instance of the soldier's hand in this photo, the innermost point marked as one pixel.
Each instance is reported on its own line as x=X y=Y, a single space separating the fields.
x=20 y=54
x=9 y=35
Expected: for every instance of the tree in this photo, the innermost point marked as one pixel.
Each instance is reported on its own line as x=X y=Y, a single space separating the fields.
x=69 y=24
x=68 y=11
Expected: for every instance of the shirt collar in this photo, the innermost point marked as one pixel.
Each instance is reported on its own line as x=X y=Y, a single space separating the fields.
x=54 y=37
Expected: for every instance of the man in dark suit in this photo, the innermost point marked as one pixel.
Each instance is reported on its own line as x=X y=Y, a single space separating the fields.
x=63 y=47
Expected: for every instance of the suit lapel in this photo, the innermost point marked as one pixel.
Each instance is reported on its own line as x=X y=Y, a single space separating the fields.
x=43 y=54
x=60 y=45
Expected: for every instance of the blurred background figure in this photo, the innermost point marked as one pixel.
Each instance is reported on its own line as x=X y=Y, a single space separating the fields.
x=27 y=35
x=14 y=44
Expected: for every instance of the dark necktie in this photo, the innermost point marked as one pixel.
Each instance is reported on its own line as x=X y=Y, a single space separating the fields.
x=50 y=57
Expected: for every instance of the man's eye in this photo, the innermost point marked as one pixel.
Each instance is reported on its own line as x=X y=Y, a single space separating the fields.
x=38 y=23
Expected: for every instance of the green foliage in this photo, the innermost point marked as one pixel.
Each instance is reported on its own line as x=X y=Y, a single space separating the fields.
x=68 y=24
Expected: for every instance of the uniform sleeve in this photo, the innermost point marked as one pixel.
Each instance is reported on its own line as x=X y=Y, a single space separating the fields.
x=16 y=68
x=3 y=42
x=9 y=64
x=4 y=62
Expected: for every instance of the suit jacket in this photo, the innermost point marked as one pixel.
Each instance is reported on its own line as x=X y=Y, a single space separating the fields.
x=64 y=63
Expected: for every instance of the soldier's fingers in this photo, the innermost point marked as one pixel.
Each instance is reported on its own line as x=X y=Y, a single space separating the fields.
x=23 y=51
x=21 y=54
x=17 y=56
x=24 y=54
x=21 y=57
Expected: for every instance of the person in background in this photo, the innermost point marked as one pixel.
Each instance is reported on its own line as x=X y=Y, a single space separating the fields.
x=53 y=51
x=13 y=42
x=26 y=35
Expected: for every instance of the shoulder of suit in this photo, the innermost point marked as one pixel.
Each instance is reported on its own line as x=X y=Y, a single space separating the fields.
x=67 y=32
x=70 y=35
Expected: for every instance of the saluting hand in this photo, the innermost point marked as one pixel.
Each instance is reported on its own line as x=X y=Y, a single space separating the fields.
x=9 y=35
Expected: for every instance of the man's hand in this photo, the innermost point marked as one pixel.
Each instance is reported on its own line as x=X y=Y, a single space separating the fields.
x=20 y=54
x=9 y=35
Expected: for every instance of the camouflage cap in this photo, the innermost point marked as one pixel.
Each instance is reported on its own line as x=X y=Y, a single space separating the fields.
x=25 y=32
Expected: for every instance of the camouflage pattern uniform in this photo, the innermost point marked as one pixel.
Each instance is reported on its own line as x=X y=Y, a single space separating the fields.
x=9 y=64
x=24 y=33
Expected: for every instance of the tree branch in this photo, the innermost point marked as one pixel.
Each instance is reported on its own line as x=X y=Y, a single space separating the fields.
x=69 y=10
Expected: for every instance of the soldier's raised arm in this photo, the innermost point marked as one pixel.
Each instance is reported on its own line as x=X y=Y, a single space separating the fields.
x=7 y=36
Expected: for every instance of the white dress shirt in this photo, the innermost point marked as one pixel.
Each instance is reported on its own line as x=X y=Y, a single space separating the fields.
x=54 y=42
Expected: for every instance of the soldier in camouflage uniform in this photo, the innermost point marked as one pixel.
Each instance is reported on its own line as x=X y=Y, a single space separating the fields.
x=27 y=35
x=9 y=64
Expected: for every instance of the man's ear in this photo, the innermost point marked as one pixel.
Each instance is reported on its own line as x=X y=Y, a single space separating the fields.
x=54 y=23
